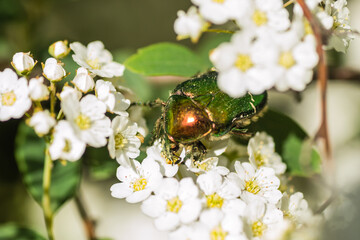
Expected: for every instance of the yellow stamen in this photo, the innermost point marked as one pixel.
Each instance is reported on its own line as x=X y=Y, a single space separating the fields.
x=286 y=60
x=218 y=233
x=139 y=184
x=214 y=201
x=67 y=147
x=174 y=205
x=8 y=99
x=259 y=159
x=259 y=18
x=219 y=1
x=94 y=63
x=252 y=186
x=83 y=121
x=243 y=62
x=258 y=228
x=120 y=141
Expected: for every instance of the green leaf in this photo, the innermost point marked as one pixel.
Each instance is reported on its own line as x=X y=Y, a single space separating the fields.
x=137 y=83
x=165 y=59
x=291 y=142
x=12 y=231
x=30 y=155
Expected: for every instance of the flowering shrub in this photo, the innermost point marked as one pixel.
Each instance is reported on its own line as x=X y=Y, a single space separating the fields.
x=205 y=186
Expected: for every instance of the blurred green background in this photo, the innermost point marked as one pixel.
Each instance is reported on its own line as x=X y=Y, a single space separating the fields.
x=124 y=26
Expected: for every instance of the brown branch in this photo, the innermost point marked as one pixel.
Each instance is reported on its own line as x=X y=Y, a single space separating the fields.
x=89 y=224
x=322 y=133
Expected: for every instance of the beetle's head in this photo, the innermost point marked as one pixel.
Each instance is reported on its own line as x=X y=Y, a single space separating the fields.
x=185 y=121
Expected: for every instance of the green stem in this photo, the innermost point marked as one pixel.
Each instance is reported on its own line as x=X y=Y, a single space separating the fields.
x=46 y=200
x=52 y=97
x=219 y=31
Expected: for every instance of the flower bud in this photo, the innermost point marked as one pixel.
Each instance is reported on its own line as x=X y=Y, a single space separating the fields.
x=83 y=81
x=38 y=91
x=53 y=70
x=23 y=63
x=42 y=122
x=59 y=49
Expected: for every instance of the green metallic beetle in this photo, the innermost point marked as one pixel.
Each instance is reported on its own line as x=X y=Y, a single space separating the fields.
x=198 y=109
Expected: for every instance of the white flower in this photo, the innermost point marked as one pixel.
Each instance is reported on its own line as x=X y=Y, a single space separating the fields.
x=220 y=11
x=265 y=14
x=66 y=144
x=240 y=67
x=189 y=24
x=261 y=218
x=137 y=185
x=206 y=165
x=53 y=70
x=166 y=167
x=59 y=49
x=293 y=66
x=42 y=122
x=88 y=119
x=67 y=90
x=96 y=59
x=83 y=81
x=38 y=91
x=261 y=182
x=221 y=194
x=14 y=95
x=123 y=143
x=115 y=101
x=174 y=203
x=261 y=150
x=219 y=225
x=23 y=63
x=136 y=115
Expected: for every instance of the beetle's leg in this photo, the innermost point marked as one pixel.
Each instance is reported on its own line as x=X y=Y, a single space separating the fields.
x=155 y=103
x=241 y=132
x=158 y=130
x=198 y=151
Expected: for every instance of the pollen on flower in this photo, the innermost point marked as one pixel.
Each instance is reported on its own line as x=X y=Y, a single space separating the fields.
x=214 y=201
x=94 y=63
x=307 y=28
x=258 y=228
x=259 y=159
x=286 y=60
x=218 y=233
x=252 y=186
x=67 y=147
x=8 y=99
x=219 y=1
x=120 y=141
x=139 y=184
x=259 y=18
x=203 y=165
x=174 y=205
x=83 y=122
x=243 y=62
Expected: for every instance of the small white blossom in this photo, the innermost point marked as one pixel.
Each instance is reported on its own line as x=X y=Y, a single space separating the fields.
x=67 y=90
x=189 y=24
x=14 y=95
x=83 y=81
x=123 y=143
x=174 y=203
x=88 y=119
x=66 y=145
x=137 y=185
x=242 y=65
x=115 y=101
x=166 y=167
x=265 y=14
x=206 y=165
x=219 y=225
x=59 y=49
x=96 y=59
x=220 y=11
x=260 y=218
x=23 y=63
x=38 y=91
x=261 y=150
x=42 y=122
x=261 y=182
x=221 y=194
x=53 y=70
x=136 y=115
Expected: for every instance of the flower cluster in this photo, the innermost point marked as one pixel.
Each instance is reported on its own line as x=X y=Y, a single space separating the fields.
x=216 y=203
x=270 y=49
x=92 y=111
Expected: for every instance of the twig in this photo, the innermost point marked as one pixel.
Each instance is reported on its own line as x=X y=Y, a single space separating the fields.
x=323 y=76
x=88 y=222
x=46 y=200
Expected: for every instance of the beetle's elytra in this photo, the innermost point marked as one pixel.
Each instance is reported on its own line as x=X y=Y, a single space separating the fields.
x=197 y=108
